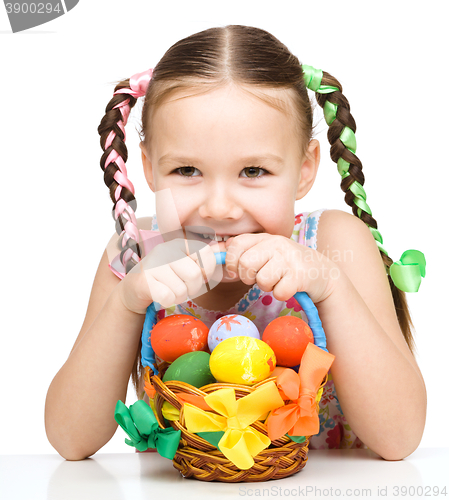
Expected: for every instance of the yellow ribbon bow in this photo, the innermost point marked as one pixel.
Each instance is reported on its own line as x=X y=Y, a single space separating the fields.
x=240 y=442
x=300 y=418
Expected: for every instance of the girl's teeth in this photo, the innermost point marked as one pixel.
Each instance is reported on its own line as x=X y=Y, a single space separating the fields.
x=216 y=238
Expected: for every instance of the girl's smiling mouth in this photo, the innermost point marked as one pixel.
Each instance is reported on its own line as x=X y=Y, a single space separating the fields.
x=210 y=237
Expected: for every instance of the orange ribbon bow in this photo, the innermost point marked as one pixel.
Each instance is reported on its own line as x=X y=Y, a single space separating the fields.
x=300 y=417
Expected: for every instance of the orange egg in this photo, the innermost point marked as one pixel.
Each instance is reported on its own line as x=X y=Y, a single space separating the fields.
x=178 y=334
x=288 y=336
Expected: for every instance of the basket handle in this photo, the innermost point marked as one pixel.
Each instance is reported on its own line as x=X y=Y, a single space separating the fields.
x=147 y=353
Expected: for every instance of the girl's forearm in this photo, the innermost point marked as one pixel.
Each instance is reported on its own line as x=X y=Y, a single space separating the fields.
x=79 y=410
x=382 y=395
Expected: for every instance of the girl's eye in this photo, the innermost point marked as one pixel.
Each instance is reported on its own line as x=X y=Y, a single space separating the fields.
x=252 y=172
x=186 y=171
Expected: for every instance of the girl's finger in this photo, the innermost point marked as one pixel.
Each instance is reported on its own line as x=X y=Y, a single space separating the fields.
x=160 y=292
x=277 y=277
x=285 y=289
x=208 y=261
x=253 y=259
x=238 y=245
x=162 y=277
x=204 y=257
x=191 y=274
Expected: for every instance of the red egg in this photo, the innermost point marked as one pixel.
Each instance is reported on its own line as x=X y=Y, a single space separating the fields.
x=288 y=336
x=178 y=334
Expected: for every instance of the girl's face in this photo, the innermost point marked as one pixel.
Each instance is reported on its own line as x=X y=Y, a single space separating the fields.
x=233 y=163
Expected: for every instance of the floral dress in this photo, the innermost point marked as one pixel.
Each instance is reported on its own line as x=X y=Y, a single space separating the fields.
x=261 y=308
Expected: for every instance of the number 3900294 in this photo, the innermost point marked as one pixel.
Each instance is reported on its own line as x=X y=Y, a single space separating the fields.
x=33 y=8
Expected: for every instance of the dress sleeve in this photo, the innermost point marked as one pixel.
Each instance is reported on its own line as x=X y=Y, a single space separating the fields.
x=310 y=229
x=117 y=267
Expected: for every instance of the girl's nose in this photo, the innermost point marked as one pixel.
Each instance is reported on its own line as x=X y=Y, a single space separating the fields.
x=220 y=204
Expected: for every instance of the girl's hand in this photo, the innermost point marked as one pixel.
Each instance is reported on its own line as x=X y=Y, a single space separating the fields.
x=170 y=274
x=281 y=265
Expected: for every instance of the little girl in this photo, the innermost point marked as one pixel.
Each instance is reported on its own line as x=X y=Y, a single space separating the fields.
x=227 y=133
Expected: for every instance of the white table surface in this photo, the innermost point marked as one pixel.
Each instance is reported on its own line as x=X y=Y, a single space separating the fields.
x=327 y=474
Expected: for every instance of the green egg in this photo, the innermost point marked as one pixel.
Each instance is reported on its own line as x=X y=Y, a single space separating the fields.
x=191 y=368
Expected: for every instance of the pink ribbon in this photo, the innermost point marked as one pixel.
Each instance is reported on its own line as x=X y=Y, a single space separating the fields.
x=138 y=84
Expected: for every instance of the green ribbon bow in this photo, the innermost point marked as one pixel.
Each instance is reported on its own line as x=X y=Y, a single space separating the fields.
x=407 y=272
x=140 y=423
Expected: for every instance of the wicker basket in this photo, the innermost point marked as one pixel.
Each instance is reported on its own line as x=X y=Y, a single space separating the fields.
x=199 y=459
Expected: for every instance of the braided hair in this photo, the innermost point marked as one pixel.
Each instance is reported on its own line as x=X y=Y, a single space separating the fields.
x=341 y=136
x=112 y=141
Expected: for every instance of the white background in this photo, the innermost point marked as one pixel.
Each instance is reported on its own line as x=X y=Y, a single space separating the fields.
x=56 y=79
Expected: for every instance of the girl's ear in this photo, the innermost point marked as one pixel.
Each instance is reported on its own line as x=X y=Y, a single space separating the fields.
x=309 y=169
x=147 y=166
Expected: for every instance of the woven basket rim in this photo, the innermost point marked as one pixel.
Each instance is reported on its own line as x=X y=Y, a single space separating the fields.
x=166 y=391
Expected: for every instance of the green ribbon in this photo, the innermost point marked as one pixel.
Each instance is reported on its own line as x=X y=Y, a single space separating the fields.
x=330 y=112
x=212 y=437
x=347 y=137
x=379 y=240
x=312 y=79
x=297 y=439
x=343 y=167
x=141 y=425
x=407 y=272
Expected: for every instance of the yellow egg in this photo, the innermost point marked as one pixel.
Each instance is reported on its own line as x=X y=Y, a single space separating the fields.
x=242 y=360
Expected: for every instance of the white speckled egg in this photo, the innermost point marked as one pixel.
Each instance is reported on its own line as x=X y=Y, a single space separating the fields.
x=231 y=325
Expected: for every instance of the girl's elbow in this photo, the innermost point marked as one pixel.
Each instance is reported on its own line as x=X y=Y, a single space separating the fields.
x=69 y=451
x=74 y=455
x=400 y=446
x=66 y=445
x=397 y=440
x=403 y=441
x=396 y=454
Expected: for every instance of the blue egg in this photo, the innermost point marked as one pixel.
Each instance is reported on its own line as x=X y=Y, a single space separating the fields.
x=231 y=325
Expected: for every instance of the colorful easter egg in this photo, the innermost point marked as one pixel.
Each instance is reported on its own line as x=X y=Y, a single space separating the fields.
x=178 y=334
x=242 y=360
x=231 y=325
x=191 y=368
x=288 y=336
